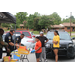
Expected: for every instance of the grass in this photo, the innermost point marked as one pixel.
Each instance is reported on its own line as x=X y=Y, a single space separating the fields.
x=72 y=36
x=71 y=32
x=36 y=32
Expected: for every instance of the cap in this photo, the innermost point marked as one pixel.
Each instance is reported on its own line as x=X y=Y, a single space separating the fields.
x=41 y=32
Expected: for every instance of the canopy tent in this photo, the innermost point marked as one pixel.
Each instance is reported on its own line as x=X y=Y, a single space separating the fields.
x=6 y=17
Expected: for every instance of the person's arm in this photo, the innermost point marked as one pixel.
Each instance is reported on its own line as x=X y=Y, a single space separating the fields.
x=38 y=49
x=57 y=40
x=3 y=43
x=46 y=40
x=40 y=45
x=20 y=43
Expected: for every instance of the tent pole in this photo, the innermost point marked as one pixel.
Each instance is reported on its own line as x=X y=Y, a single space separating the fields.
x=15 y=36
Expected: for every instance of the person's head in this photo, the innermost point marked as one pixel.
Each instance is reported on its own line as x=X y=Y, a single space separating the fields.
x=37 y=39
x=1 y=31
x=22 y=36
x=56 y=32
x=41 y=33
x=12 y=31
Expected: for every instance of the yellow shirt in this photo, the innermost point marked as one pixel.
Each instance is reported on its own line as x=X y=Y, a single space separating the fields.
x=56 y=38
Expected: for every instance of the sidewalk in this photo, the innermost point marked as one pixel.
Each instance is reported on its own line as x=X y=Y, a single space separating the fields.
x=31 y=57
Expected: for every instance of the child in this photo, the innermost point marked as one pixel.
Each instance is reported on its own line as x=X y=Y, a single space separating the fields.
x=38 y=48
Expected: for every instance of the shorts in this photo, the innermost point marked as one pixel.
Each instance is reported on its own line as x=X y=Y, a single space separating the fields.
x=37 y=55
x=55 y=48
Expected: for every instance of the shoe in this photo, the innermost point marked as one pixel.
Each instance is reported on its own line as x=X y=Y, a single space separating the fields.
x=45 y=60
x=1 y=60
x=40 y=61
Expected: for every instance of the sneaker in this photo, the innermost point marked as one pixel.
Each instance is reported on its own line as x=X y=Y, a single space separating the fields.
x=40 y=60
x=1 y=60
x=45 y=60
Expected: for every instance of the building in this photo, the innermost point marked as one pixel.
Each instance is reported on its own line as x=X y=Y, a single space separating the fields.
x=57 y=27
x=64 y=26
x=67 y=27
x=22 y=26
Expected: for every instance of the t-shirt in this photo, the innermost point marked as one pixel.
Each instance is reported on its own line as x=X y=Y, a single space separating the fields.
x=42 y=39
x=37 y=45
x=56 y=38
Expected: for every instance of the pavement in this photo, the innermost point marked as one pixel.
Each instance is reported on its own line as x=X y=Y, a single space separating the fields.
x=32 y=58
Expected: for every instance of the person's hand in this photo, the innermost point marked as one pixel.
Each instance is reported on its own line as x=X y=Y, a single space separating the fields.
x=17 y=45
x=8 y=50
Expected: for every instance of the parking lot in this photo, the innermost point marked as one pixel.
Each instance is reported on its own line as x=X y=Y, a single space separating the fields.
x=32 y=58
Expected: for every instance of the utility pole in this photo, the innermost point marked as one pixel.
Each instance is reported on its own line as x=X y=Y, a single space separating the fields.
x=70 y=22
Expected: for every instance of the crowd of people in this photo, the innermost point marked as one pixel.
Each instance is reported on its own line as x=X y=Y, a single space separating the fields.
x=40 y=50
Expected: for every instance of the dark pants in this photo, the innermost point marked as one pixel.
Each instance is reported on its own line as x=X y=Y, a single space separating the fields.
x=0 y=53
x=11 y=49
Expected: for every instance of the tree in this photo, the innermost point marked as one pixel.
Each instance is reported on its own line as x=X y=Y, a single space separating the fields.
x=25 y=22
x=45 y=21
x=36 y=24
x=56 y=18
x=20 y=17
x=68 y=19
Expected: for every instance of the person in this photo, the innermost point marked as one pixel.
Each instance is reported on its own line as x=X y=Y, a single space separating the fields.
x=56 y=40
x=38 y=48
x=10 y=41
x=2 y=43
x=43 y=40
x=18 y=39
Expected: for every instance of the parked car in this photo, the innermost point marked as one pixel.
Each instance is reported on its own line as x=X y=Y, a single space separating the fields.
x=66 y=44
x=28 y=42
x=25 y=32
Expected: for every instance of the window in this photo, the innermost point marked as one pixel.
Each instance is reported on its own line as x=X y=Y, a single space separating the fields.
x=62 y=36
x=68 y=27
x=17 y=33
x=26 y=33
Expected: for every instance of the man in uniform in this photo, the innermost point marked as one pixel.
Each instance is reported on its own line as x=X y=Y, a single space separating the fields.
x=19 y=38
x=10 y=41
x=2 y=43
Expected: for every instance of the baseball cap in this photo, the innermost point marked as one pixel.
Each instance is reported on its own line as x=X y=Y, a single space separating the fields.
x=41 y=32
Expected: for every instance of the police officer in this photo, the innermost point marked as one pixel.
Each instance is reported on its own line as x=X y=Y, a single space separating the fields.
x=10 y=41
x=2 y=43
x=19 y=38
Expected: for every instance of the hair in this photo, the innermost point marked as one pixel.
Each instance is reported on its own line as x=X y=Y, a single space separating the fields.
x=1 y=30
x=56 y=32
x=22 y=34
x=12 y=30
x=37 y=37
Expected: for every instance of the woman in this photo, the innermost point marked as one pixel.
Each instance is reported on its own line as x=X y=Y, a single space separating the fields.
x=56 y=41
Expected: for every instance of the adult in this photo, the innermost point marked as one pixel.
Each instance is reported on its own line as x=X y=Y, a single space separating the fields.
x=19 y=38
x=1 y=43
x=10 y=41
x=56 y=46
x=43 y=40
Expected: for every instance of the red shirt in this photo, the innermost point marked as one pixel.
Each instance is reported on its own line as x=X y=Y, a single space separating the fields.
x=37 y=45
